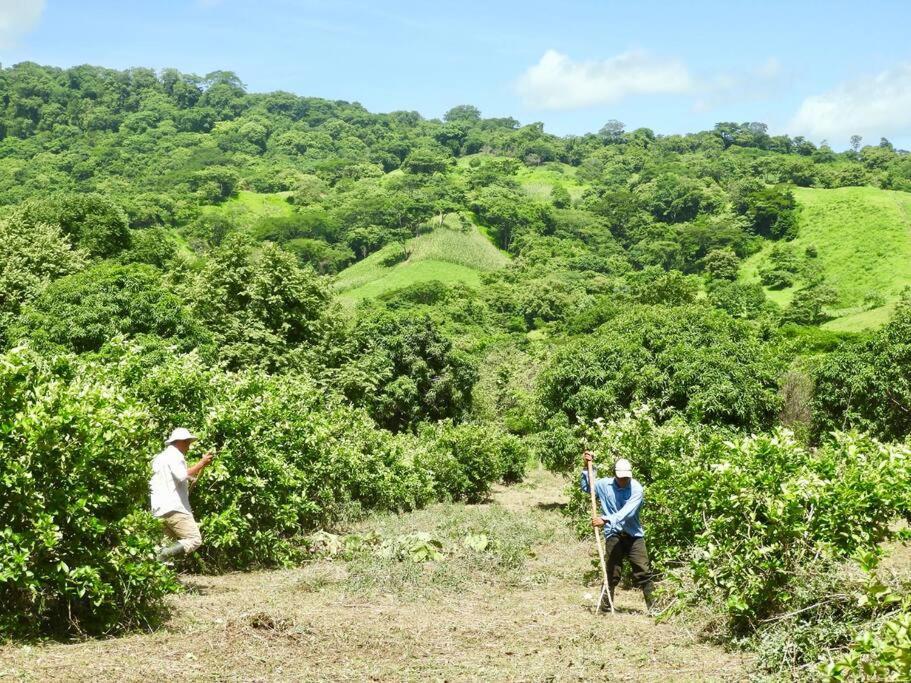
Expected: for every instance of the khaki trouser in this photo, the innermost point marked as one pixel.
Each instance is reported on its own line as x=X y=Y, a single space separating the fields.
x=181 y=527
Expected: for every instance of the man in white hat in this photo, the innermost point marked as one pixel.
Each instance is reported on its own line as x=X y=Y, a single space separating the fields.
x=621 y=497
x=170 y=492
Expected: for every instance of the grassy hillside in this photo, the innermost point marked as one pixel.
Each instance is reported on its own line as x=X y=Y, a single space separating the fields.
x=248 y=206
x=539 y=181
x=446 y=254
x=863 y=239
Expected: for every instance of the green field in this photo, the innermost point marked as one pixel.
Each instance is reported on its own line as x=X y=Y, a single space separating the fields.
x=539 y=181
x=863 y=238
x=247 y=207
x=446 y=254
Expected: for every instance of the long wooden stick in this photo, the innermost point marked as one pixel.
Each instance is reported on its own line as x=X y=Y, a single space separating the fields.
x=605 y=586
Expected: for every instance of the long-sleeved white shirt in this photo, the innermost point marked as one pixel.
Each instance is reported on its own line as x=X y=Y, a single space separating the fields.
x=169 y=486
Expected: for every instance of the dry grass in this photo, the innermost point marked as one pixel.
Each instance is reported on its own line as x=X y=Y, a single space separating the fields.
x=312 y=624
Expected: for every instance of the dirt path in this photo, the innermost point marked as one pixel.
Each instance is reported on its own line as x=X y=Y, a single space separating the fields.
x=311 y=624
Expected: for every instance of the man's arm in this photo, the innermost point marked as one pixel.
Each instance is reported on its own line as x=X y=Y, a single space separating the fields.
x=181 y=472
x=193 y=472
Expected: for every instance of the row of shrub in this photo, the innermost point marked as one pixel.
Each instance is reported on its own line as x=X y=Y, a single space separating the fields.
x=77 y=543
x=761 y=534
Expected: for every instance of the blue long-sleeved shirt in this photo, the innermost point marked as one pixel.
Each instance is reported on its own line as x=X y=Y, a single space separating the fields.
x=619 y=505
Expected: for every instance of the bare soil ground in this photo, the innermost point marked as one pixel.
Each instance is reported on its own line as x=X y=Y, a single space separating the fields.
x=317 y=623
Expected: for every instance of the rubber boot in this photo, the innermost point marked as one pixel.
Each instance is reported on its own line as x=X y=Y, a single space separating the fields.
x=605 y=605
x=649 y=601
x=171 y=552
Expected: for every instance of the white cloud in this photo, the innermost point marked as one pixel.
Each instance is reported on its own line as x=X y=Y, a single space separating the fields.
x=769 y=70
x=18 y=17
x=754 y=84
x=872 y=106
x=558 y=82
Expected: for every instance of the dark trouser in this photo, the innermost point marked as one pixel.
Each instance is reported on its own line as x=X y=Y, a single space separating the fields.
x=617 y=548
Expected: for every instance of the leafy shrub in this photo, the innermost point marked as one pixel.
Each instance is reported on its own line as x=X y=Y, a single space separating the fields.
x=764 y=506
x=514 y=455
x=883 y=654
x=738 y=299
x=721 y=264
x=865 y=385
x=402 y=369
x=654 y=285
x=771 y=211
x=93 y=221
x=259 y=304
x=33 y=255
x=76 y=551
x=808 y=305
x=81 y=312
x=777 y=279
x=695 y=361
x=154 y=246
x=292 y=459
x=782 y=268
x=466 y=459
x=560 y=198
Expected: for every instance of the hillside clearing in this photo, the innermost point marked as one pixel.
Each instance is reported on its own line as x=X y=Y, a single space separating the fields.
x=446 y=620
x=247 y=207
x=863 y=239
x=539 y=181
x=446 y=254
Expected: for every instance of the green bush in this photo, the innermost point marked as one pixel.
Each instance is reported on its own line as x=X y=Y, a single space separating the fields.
x=95 y=222
x=76 y=548
x=402 y=369
x=690 y=360
x=467 y=459
x=292 y=459
x=81 y=312
x=866 y=385
x=883 y=654
x=33 y=255
x=777 y=279
x=514 y=455
x=259 y=304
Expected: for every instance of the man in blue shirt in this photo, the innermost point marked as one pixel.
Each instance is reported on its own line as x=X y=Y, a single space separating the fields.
x=620 y=498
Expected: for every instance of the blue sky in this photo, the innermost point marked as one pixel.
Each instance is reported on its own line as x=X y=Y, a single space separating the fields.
x=824 y=69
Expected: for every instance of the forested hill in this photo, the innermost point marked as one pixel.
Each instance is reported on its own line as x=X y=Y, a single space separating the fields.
x=161 y=147
x=377 y=311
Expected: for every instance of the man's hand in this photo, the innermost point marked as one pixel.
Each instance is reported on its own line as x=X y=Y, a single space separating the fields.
x=200 y=465
x=588 y=456
x=597 y=522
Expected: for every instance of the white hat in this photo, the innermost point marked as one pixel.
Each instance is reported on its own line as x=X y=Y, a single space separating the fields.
x=623 y=468
x=181 y=434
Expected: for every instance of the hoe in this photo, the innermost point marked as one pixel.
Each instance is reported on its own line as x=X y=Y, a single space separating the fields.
x=605 y=586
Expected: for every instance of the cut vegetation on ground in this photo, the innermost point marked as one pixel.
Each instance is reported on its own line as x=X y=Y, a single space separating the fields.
x=503 y=598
